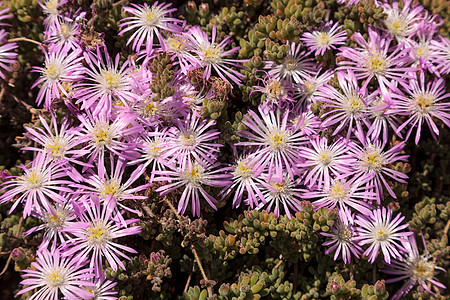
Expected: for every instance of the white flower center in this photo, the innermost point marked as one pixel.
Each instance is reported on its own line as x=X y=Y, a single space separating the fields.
x=423 y=102
x=53 y=70
x=57 y=147
x=102 y=135
x=150 y=17
x=243 y=170
x=111 y=187
x=194 y=176
x=56 y=277
x=381 y=233
x=34 y=180
x=211 y=54
x=98 y=234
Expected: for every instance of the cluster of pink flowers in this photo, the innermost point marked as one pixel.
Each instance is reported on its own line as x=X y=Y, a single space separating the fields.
x=78 y=183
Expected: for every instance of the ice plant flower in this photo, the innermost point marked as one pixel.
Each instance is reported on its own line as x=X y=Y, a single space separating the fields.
x=53 y=275
x=212 y=55
x=280 y=192
x=294 y=67
x=343 y=238
x=424 y=104
x=38 y=187
x=114 y=185
x=103 y=289
x=380 y=110
x=58 y=143
x=382 y=232
x=325 y=38
x=275 y=94
x=101 y=134
x=191 y=177
x=276 y=143
x=149 y=21
x=402 y=23
x=344 y=194
x=321 y=161
x=190 y=139
x=106 y=83
x=60 y=67
x=245 y=180
x=417 y=268
x=50 y=8
x=347 y=107
x=306 y=122
x=307 y=91
x=441 y=54
x=63 y=35
x=374 y=161
x=376 y=58
x=6 y=56
x=95 y=233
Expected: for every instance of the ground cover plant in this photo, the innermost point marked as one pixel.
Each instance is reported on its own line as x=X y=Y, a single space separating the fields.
x=284 y=149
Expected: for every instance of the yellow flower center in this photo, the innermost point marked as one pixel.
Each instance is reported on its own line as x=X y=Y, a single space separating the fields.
x=34 y=180
x=243 y=170
x=373 y=160
x=423 y=270
x=98 y=235
x=55 y=277
x=278 y=141
x=376 y=63
x=188 y=138
x=111 y=79
x=290 y=64
x=150 y=17
x=325 y=157
x=57 y=148
x=110 y=187
x=53 y=71
x=424 y=102
x=212 y=54
x=381 y=234
x=174 y=44
x=102 y=136
x=195 y=175
x=274 y=87
x=323 y=39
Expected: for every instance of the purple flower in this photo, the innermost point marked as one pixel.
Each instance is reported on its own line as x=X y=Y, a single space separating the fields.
x=6 y=56
x=373 y=161
x=190 y=139
x=106 y=84
x=57 y=143
x=295 y=66
x=192 y=177
x=343 y=238
x=60 y=67
x=95 y=232
x=324 y=39
x=212 y=55
x=441 y=54
x=381 y=232
x=276 y=94
x=376 y=58
x=276 y=143
x=347 y=106
x=64 y=35
x=245 y=180
x=54 y=222
x=50 y=8
x=307 y=90
x=149 y=22
x=321 y=161
x=100 y=134
x=280 y=192
x=423 y=104
x=344 y=194
x=53 y=274
x=38 y=186
x=402 y=23
x=380 y=109
x=416 y=267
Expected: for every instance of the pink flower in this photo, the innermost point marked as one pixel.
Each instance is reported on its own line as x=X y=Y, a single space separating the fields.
x=53 y=274
x=381 y=232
